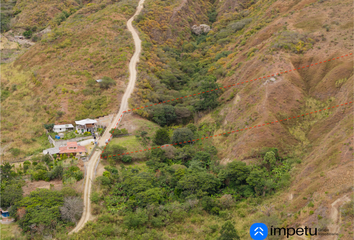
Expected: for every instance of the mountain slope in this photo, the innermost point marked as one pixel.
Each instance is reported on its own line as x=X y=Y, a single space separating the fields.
x=56 y=77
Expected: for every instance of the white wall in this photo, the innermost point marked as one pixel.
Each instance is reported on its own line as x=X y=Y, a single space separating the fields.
x=58 y=131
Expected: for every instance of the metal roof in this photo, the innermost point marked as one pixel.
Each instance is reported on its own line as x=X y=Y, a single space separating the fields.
x=85 y=121
x=64 y=126
x=51 y=150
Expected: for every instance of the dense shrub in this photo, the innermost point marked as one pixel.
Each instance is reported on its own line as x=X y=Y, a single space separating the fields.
x=103 y=180
x=118 y=132
x=161 y=137
x=163 y=115
x=28 y=34
x=182 y=135
x=127 y=159
x=113 y=149
x=73 y=172
x=107 y=82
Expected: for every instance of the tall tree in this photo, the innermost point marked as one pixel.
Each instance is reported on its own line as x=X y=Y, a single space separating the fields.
x=11 y=194
x=161 y=137
x=113 y=149
x=72 y=209
x=228 y=232
x=163 y=114
x=209 y=99
x=182 y=135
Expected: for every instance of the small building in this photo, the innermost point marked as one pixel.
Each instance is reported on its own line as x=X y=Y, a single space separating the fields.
x=86 y=125
x=4 y=214
x=63 y=128
x=72 y=148
x=99 y=80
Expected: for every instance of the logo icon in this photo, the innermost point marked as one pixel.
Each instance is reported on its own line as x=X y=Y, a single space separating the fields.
x=258 y=231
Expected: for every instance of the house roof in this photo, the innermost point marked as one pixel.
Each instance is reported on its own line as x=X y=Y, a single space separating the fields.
x=78 y=149
x=85 y=121
x=99 y=80
x=64 y=126
x=71 y=144
x=51 y=150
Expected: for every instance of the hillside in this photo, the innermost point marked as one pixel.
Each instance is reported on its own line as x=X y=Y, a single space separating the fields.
x=269 y=90
x=250 y=40
x=54 y=80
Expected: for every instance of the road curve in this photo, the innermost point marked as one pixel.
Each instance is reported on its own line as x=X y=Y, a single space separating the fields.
x=123 y=106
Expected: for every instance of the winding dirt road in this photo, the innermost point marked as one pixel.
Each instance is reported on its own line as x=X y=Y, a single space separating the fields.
x=123 y=106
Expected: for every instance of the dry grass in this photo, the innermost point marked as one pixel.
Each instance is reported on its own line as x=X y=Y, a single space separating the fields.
x=51 y=76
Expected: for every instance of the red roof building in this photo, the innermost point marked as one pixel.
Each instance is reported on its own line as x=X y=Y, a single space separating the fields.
x=72 y=147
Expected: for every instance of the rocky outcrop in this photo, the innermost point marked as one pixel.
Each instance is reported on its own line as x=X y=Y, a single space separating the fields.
x=202 y=28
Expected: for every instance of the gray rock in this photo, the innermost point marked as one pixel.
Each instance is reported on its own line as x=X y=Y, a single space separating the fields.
x=202 y=28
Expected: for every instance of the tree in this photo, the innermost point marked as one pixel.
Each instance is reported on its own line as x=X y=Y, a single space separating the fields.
x=208 y=100
x=42 y=209
x=27 y=34
x=49 y=126
x=183 y=114
x=11 y=194
x=235 y=174
x=113 y=149
x=203 y=157
x=270 y=160
x=118 y=132
x=150 y=196
x=185 y=153
x=228 y=232
x=73 y=172
x=201 y=183
x=163 y=115
x=107 y=82
x=257 y=179
x=127 y=159
x=192 y=127
x=136 y=219
x=143 y=134
x=103 y=180
x=56 y=173
x=182 y=135
x=161 y=137
x=6 y=172
x=72 y=209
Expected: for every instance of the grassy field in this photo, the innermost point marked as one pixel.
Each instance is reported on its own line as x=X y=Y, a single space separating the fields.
x=8 y=230
x=130 y=142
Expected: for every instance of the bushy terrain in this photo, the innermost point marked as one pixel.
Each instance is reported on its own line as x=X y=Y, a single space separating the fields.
x=286 y=173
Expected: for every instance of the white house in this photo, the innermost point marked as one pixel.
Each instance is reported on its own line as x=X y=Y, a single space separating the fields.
x=63 y=128
x=86 y=125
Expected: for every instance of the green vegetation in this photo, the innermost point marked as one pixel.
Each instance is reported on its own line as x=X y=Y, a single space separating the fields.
x=50 y=211
x=161 y=137
x=187 y=181
x=107 y=82
x=118 y=132
x=293 y=41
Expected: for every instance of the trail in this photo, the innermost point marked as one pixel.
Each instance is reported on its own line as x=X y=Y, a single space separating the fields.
x=123 y=106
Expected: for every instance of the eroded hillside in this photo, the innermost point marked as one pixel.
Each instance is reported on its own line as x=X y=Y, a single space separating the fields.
x=284 y=74
x=251 y=40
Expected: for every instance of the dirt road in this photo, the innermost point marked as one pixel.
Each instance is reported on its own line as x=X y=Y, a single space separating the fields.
x=124 y=105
